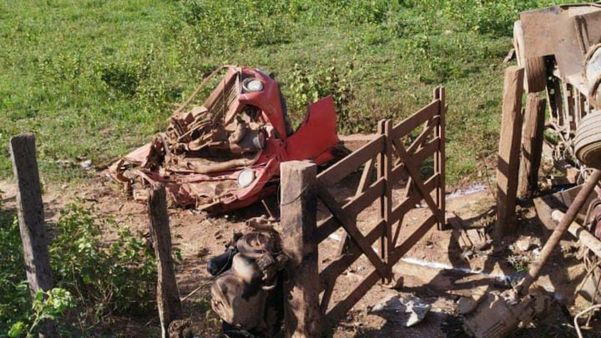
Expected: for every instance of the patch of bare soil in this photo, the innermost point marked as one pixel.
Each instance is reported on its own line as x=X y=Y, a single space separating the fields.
x=437 y=269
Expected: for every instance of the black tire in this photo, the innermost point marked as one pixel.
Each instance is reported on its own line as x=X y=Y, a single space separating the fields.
x=535 y=73
x=587 y=143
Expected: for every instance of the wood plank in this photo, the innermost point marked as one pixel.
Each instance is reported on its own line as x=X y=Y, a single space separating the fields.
x=365 y=177
x=327 y=296
x=411 y=168
x=339 y=311
x=355 y=141
x=427 y=151
x=422 y=137
x=532 y=146
x=440 y=156
x=363 y=182
x=406 y=126
x=410 y=241
x=30 y=213
x=168 y=301
x=329 y=274
x=352 y=208
x=348 y=223
x=410 y=202
x=347 y=165
x=298 y=222
x=509 y=152
x=558 y=97
x=385 y=169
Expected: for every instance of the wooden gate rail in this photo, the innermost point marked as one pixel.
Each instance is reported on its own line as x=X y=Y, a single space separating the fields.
x=397 y=154
x=346 y=216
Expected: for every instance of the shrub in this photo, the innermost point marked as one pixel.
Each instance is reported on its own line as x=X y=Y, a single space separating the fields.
x=97 y=276
x=49 y=305
x=306 y=86
x=105 y=278
x=14 y=292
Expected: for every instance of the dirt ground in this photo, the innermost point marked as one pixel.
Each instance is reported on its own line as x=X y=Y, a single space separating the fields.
x=435 y=270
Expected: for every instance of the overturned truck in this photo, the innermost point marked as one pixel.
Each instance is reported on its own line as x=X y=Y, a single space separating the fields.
x=560 y=50
x=225 y=152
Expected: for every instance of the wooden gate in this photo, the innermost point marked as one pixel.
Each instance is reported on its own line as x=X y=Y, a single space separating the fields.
x=409 y=155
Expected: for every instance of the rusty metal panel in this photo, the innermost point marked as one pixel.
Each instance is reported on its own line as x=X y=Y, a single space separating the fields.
x=565 y=32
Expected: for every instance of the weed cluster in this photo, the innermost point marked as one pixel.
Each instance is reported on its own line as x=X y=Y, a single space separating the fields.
x=15 y=302
x=118 y=277
x=49 y=305
x=97 y=277
x=305 y=85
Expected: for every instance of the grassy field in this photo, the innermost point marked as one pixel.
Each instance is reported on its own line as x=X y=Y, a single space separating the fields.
x=93 y=78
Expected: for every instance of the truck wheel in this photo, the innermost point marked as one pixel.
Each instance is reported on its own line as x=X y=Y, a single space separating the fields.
x=535 y=77
x=587 y=143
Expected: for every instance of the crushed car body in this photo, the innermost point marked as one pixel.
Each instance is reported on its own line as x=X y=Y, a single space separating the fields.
x=225 y=153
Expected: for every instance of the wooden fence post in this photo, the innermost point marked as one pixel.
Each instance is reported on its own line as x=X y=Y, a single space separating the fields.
x=440 y=156
x=508 y=162
x=30 y=211
x=168 y=301
x=532 y=145
x=384 y=169
x=298 y=224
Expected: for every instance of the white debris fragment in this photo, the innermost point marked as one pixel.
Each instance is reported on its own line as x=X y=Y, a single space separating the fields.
x=473 y=189
x=334 y=236
x=86 y=165
x=391 y=306
x=526 y=243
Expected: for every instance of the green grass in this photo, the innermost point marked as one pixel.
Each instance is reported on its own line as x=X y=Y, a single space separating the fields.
x=95 y=78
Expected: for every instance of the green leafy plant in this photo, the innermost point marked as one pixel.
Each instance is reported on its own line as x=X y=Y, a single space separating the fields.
x=15 y=300
x=518 y=262
x=115 y=277
x=305 y=87
x=99 y=276
x=49 y=305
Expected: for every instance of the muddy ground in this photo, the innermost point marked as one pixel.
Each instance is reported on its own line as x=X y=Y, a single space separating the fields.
x=436 y=270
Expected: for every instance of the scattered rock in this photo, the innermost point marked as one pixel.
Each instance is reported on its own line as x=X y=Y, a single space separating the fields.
x=391 y=307
x=568 y=248
x=395 y=283
x=527 y=243
x=86 y=165
x=334 y=236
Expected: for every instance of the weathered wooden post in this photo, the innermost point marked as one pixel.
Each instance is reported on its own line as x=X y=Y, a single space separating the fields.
x=440 y=157
x=168 y=301
x=508 y=162
x=532 y=145
x=298 y=223
x=30 y=211
x=385 y=201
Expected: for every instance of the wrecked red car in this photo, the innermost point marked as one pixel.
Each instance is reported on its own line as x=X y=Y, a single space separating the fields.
x=225 y=153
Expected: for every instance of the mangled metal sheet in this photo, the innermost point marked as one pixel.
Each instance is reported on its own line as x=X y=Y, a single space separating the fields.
x=225 y=153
